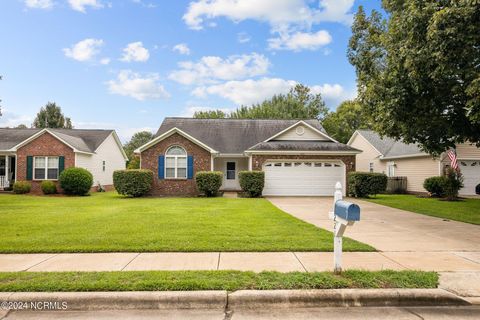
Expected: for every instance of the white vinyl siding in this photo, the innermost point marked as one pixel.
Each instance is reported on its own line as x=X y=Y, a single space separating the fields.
x=416 y=170
x=468 y=152
x=367 y=156
x=308 y=134
x=108 y=152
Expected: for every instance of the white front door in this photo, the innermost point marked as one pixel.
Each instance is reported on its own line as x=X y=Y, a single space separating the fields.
x=471 y=176
x=302 y=177
x=230 y=175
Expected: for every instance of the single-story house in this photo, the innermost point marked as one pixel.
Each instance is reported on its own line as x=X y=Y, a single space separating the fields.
x=396 y=158
x=42 y=154
x=297 y=156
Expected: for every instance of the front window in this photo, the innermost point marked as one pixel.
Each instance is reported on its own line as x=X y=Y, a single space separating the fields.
x=46 y=168
x=176 y=163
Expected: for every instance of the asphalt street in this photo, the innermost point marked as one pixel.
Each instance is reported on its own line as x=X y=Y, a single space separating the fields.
x=370 y=313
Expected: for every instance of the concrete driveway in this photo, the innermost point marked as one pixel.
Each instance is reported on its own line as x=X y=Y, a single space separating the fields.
x=389 y=229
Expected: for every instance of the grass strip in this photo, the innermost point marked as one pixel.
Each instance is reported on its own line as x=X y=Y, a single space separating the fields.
x=210 y=280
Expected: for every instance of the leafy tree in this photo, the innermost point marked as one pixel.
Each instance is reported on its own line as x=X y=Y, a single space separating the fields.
x=138 y=139
x=299 y=103
x=418 y=70
x=210 y=114
x=21 y=126
x=342 y=123
x=51 y=116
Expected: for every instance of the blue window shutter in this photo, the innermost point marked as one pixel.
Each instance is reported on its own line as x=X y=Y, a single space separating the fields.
x=190 y=167
x=161 y=167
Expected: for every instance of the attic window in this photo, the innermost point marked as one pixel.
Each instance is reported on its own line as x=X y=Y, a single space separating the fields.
x=300 y=130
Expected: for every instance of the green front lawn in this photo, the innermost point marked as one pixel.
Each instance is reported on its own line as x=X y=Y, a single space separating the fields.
x=465 y=210
x=107 y=222
x=210 y=280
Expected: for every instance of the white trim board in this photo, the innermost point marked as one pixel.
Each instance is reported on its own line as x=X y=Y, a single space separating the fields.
x=168 y=134
x=301 y=122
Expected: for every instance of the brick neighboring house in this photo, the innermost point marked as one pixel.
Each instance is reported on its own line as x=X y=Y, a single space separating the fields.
x=42 y=154
x=298 y=156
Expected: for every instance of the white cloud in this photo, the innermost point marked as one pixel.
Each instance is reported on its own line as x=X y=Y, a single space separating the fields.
x=39 y=4
x=333 y=94
x=251 y=91
x=135 y=52
x=81 y=5
x=189 y=111
x=10 y=119
x=248 y=91
x=300 y=40
x=211 y=69
x=243 y=37
x=84 y=50
x=278 y=13
x=182 y=48
x=131 y=84
x=105 y=61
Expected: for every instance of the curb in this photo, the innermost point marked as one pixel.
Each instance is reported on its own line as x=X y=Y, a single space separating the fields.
x=344 y=298
x=152 y=300
x=243 y=299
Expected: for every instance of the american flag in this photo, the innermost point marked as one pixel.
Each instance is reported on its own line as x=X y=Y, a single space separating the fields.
x=452 y=154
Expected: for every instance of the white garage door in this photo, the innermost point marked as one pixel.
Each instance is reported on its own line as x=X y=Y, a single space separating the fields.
x=471 y=175
x=302 y=178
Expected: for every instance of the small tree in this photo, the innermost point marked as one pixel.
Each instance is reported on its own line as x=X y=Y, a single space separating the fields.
x=138 y=139
x=453 y=184
x=51 y=116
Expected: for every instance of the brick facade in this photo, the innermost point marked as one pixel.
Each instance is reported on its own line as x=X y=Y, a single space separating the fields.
x=44 y=145
x=175 y=187
x=349 y=161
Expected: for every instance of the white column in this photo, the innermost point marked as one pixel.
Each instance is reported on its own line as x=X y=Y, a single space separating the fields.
x=7 y=181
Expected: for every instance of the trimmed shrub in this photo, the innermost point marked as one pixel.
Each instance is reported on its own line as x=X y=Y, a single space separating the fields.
x=48 y=187
x=435 y=186
x=22 y=187
x=76 y=181
x=133 y=183
x=209 y=182
x=252 y=182
x=363 y=184
x=453 y=183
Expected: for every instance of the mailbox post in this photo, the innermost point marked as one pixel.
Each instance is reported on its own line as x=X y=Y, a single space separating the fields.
x=344 y=214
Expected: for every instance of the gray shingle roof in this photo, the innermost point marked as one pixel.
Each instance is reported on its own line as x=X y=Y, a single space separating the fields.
x=389 y=147
x=87 y=140
x=231 y=135
x=302 y=146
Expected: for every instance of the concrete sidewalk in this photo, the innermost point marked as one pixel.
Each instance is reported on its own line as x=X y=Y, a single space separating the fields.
x=244 y=261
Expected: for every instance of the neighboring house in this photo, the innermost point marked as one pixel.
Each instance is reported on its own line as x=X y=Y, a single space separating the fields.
x=396 y=158
x=298 y=157
x=42 y=154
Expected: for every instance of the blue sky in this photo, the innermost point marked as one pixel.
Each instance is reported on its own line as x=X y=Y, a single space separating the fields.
x=127 y=64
